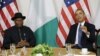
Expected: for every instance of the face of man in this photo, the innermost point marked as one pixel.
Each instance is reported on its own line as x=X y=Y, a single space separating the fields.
x=18 y=22
x=80 y=16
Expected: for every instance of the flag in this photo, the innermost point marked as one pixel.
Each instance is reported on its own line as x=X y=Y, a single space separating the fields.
x=97 y=22
x=7 y=9
x=67 y=17
x=42 y=19
x=97 y=19
x=97 y=25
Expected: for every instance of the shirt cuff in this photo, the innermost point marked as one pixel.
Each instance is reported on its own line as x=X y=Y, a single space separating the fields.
x=88 y=34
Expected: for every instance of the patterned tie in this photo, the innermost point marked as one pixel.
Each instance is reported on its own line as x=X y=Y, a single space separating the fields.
x=79 y=36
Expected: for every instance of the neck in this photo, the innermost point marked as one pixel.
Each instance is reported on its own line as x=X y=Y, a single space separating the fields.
x=81 y=21
x=18 y=26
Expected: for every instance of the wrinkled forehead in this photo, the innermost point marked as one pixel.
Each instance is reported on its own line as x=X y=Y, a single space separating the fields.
x=79 y=11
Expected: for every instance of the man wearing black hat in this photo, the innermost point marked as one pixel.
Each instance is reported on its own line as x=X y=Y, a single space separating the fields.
x=19 y=34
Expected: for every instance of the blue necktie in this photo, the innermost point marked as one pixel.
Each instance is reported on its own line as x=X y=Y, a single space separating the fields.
x=79 y=36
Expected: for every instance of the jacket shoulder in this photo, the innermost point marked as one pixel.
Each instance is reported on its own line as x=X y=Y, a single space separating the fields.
x=74 y=25
x=26 y=27
x=10 y=29
x=90 y=24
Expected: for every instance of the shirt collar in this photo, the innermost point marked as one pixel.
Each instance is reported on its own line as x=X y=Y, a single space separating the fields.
x=82 y=23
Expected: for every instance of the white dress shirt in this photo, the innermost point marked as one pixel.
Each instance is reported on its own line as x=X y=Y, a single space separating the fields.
x=82 y=24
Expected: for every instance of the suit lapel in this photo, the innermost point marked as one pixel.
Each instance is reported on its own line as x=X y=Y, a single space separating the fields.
x=85 y=24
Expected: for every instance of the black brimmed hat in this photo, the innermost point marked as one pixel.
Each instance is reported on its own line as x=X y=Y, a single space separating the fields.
x=18 y=15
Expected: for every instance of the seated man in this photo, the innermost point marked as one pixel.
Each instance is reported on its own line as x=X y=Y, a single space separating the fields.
x=82 y=34
x=19 y=34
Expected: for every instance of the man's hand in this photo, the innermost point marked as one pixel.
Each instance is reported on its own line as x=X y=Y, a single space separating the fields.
x=26 y=43
x=84 y=29
x=22 y=43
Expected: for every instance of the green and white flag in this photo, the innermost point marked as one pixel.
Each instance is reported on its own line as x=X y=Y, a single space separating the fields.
x=97 y=21
x=43 y=21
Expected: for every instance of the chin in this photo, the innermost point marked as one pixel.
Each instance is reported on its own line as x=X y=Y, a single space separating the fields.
x=20 y=25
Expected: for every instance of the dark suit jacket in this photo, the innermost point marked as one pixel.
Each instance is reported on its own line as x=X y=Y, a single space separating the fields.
x=12 y=35
x=85 y=41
